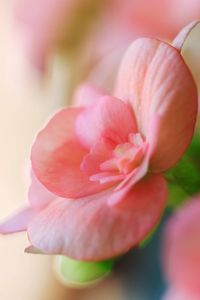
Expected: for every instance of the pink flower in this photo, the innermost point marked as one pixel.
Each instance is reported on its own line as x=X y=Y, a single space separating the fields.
x=181 y=255
x=44 y=24
x=158 y=18
x=103 y=161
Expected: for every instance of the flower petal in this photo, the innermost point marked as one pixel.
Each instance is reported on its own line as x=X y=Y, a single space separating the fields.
x=179 y=40
x=175 y=294
x=120 y=192
x=187 y=42
x=87 y=94
x=18 y=221
x=154 y=79
x=31 y=249
x=56 y=157
x=109 y=117
x=90 y=230
x=38 y=195
x=98 y=154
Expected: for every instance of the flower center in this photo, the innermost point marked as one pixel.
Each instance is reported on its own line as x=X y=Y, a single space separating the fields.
x=124 y=159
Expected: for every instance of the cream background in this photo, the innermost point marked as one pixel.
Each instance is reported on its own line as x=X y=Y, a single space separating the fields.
x=24 y=106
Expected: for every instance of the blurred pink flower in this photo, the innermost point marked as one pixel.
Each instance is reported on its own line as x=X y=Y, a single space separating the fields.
x=103 y=160
x=174 y=294
x=181 y=255
x=154 y=17
x=44 y=23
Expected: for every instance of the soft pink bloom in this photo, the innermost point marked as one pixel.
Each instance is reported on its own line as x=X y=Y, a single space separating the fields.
x=45 y=23
x=181 y=255
x=103 y=160
x=154 y=17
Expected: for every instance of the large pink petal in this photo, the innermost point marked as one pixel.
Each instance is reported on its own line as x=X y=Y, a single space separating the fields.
x=57 y=155
x=109 y=117
x=154 y=79
x=88 y=229
x=38 y=195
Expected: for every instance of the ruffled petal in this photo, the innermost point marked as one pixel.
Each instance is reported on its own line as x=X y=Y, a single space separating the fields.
x=120 y=192
x=18 y=221
x=154 y=79
x=88 y=229
x=57 y=155
x=98 y=154
x=109 y=118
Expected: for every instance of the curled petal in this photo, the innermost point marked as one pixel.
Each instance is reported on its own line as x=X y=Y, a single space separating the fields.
x=154 y=79
x=187 y=42
x=104 y=231
x=109 y=117
x=57 y=155
x=179 y=40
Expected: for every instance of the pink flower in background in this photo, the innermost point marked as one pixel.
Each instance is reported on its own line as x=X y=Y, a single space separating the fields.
x=103 y=161
x=154 y=17
x=45 y=23
x=174 y=294
x=181 y=255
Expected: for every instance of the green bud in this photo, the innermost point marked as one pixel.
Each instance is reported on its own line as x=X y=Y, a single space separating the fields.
x=79 y=274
